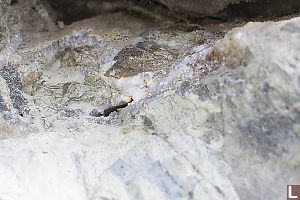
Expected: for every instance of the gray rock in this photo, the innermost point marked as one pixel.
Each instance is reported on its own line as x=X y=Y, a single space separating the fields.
x=263 y=106
x=14 y=84
x=183 y=117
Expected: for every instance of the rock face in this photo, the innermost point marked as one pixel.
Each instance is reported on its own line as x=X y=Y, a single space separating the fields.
x=119 y=107
x=262 y=110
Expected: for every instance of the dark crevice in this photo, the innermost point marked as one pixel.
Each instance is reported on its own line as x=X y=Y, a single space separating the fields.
x=108 y=111
x=70 y=11
x=260 y=10
x=264 y=9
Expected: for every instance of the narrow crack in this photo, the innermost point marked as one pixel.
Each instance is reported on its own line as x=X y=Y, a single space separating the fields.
x=108 y=111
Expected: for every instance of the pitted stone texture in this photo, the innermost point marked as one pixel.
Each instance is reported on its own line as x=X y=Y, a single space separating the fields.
x=142 y=57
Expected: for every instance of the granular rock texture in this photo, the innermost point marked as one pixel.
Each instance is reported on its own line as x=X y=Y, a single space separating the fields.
x=141 y=57
x=121 y=107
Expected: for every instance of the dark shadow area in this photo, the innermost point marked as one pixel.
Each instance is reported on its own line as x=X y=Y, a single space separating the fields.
x=261 y=8
x=70 y=11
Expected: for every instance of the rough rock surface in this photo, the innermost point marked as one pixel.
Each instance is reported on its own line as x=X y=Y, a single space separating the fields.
x=188 y=115
x=141 y=57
